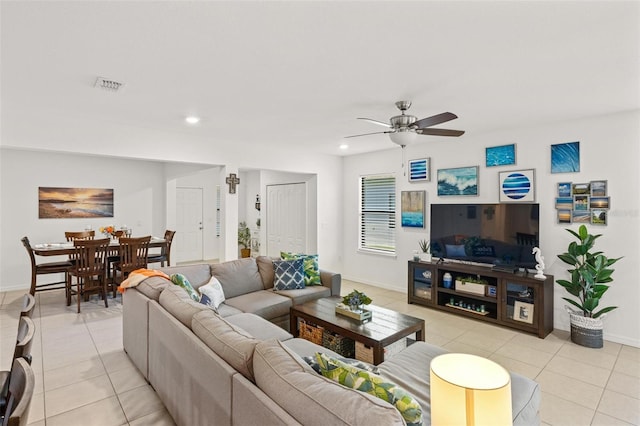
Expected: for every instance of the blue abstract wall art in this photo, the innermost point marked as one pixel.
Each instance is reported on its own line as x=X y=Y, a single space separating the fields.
x=503 y=155
x=565 y=157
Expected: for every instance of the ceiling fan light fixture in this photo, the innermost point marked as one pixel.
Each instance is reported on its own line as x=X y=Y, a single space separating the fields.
x=403 y=137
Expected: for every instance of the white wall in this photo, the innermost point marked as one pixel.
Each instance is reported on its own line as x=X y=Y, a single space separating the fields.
x=139 y=201
x=609 y=151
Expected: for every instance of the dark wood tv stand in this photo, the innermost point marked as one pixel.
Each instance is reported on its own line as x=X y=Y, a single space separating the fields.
x=516 y=300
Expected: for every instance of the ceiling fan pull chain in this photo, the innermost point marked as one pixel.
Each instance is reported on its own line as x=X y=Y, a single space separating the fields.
x=404 y=171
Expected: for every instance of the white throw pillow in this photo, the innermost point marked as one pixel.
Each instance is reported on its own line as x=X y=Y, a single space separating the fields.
x=211 y=293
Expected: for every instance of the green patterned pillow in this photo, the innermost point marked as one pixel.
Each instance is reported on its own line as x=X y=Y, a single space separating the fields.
x=372 y=384
x=310 y=265
x=182 y=281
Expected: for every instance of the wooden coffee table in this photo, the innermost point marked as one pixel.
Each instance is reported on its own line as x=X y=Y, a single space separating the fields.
x=386 y=326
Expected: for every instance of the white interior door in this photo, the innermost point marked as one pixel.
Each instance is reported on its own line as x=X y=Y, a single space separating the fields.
x=187 y=242
x=286 y=218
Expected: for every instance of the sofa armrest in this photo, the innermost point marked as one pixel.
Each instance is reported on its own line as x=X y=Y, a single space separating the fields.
x=331 y=280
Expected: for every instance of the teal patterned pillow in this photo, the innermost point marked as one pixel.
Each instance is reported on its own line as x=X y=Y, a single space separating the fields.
x=372 y=384
x=310 y=265
x=289 y=274
x=182 y=281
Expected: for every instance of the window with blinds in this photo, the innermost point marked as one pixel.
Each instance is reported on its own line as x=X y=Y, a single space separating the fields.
x=378 y=213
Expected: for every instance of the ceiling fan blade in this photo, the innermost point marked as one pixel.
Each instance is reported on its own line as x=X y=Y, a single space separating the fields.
x=435 y=119
x=439 y=132
x=379 y=123
x=365 y=134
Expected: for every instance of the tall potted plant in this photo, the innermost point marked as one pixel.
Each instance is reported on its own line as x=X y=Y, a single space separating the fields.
x=589 y=274
x=244 y=239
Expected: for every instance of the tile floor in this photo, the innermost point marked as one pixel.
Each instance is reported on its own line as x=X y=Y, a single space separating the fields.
x=83 y=377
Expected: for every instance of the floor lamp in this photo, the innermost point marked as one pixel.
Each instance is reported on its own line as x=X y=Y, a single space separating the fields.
x=469 y=390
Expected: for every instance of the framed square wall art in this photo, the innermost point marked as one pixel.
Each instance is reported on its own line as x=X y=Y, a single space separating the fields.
x=564 y=189
x=458 y=181
x=565 y=157
x=518 y=186
x=504 y=155
x=65 y=203
x=412 y=208
x=420 y=170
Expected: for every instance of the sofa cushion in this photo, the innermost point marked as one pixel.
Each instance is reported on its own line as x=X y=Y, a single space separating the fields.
x=365 y=381
x=153 y=286
x=182 y=281
x=178 y=303
x=289 y=274
x=258 y=327
x=311 y=398
x=238 y=276
x=309 y=265
x=264 y=303
x=230 y=342
x=410 y=369
x=265 y=268
x=225 y=310
x=306 y=294
x=197 y=275
x=211 y=293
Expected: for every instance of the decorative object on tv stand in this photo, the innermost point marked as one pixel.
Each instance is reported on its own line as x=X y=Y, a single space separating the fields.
x=425 y=250
x=590 y=271
x=244 y=239
x=539 y=263
x=353 y=306
x=469 y=390
x=447 y=280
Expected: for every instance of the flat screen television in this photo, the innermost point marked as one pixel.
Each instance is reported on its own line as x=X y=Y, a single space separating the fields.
x=492 y=234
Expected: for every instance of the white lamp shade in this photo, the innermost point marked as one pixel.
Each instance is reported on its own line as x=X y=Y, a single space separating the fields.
x=469 y=390
x=403 y=137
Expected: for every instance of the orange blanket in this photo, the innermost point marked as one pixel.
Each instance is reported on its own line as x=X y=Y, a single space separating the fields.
x=139 y=275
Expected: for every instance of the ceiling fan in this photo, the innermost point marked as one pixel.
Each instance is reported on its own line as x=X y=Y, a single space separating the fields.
x=404 y=128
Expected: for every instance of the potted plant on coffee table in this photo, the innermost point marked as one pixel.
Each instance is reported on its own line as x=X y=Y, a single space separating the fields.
x=590 y=271
x=244 y=239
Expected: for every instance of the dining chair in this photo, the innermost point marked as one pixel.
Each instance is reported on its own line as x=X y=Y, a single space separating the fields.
x=22 y=349
x=44 y=269
x=132 y=254
x=165 y=251
x=21 y=387
x=89 y=269
x=79 y=235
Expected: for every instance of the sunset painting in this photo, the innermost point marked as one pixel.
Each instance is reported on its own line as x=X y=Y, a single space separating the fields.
x=57 y=203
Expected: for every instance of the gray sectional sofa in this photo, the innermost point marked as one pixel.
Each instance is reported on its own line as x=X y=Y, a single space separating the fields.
x=239 y=367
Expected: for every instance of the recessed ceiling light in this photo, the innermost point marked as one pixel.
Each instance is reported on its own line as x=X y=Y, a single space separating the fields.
x=192 y=119
x=344 y=146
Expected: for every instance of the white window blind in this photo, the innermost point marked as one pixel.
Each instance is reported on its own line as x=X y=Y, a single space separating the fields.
x=378 y=213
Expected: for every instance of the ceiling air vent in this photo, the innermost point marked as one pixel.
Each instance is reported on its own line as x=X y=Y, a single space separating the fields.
x=106 y=84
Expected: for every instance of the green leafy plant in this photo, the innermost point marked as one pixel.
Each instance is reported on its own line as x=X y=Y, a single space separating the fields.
x=590 y=272
x=424 y=246
x=244 y=235
x=356 y=298
x=468 y=279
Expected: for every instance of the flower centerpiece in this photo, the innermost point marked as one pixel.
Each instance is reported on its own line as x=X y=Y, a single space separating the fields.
x=355 y=300
x=108 y=231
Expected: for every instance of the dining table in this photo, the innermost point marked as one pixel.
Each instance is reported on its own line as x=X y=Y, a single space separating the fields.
x=66 y=248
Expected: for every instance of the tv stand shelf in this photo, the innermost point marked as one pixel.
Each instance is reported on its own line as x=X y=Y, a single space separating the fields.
x=516 y=300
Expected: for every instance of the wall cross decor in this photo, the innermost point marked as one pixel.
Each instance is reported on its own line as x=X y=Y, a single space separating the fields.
x=232 y=181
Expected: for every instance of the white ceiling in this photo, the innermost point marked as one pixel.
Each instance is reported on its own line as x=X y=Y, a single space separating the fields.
x=300 y=73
